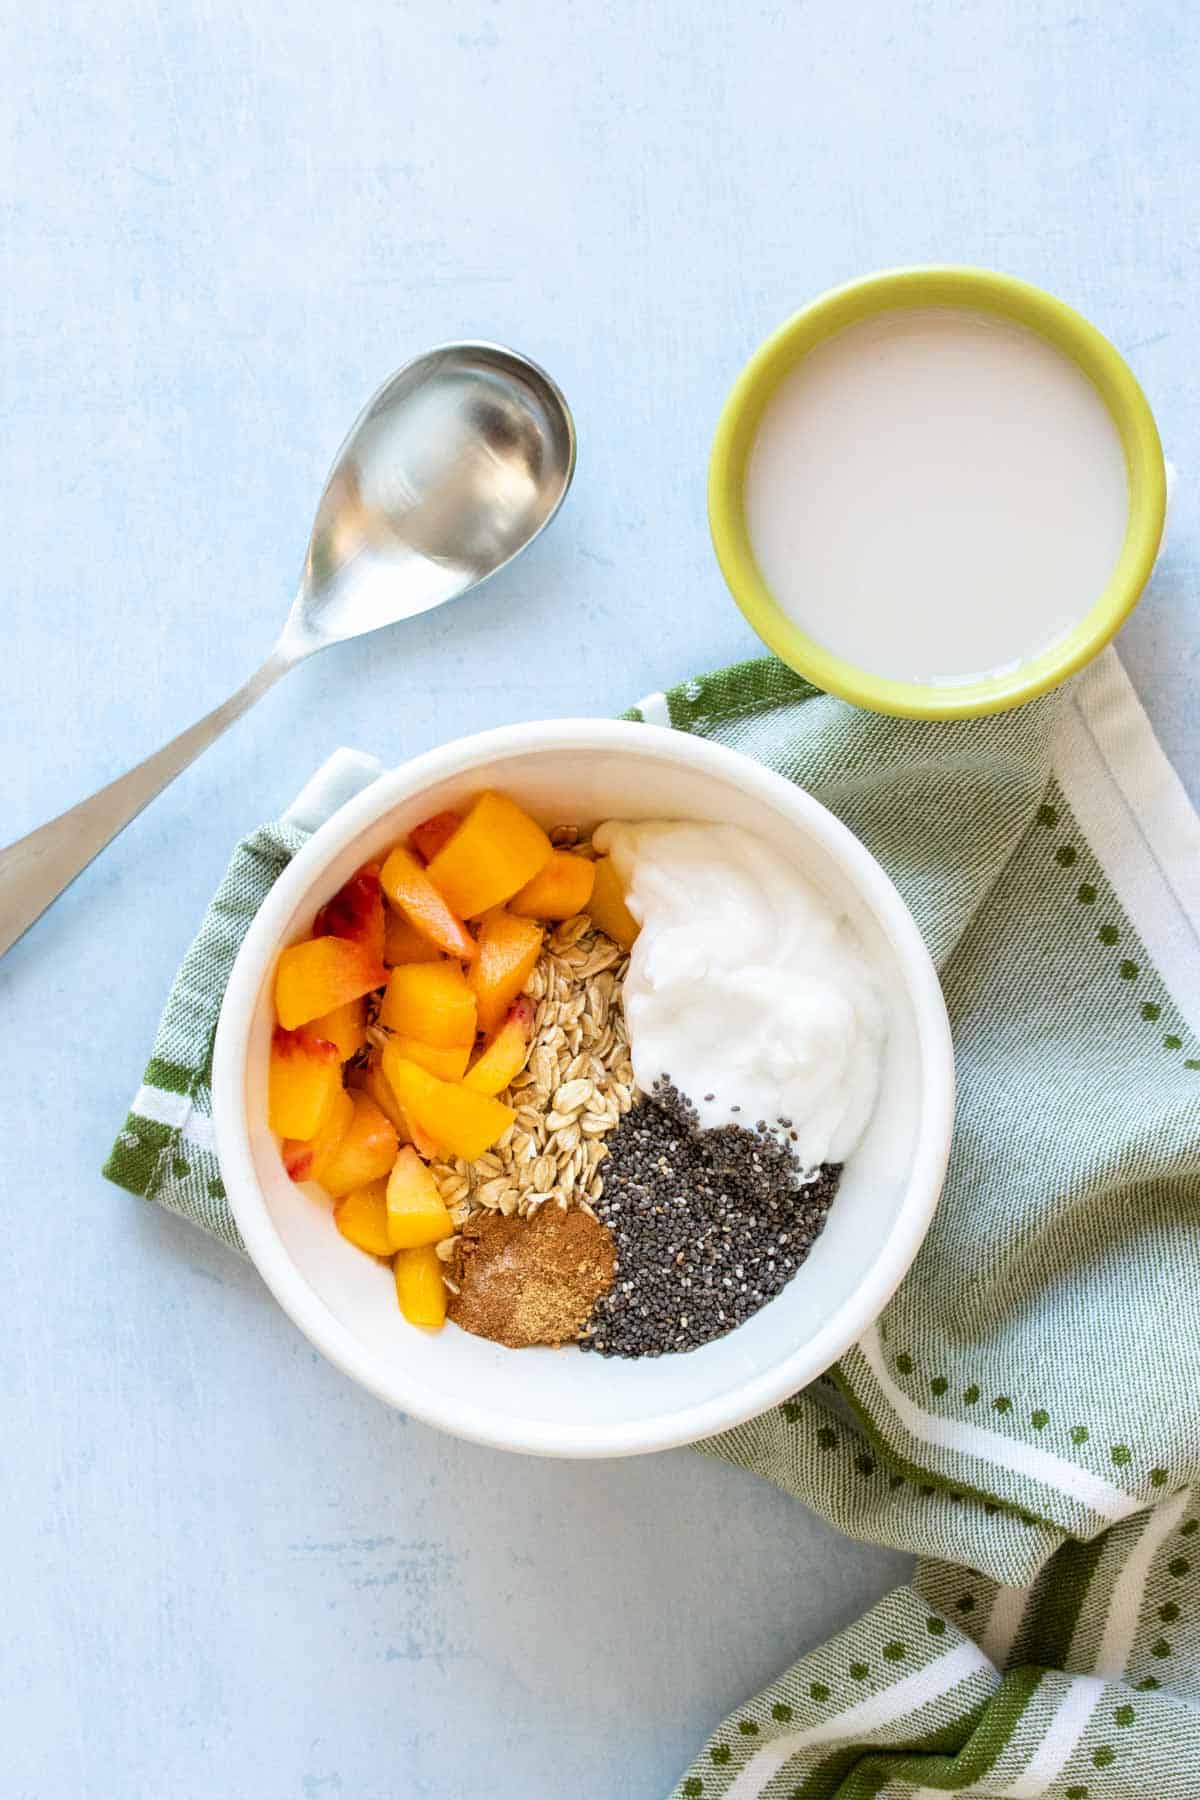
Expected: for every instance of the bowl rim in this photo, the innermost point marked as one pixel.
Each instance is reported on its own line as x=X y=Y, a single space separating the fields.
x=981 y=290
x=688 y=1422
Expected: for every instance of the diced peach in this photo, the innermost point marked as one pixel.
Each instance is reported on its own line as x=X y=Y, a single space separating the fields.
x=355 y=912
x=366 y=1151
x=462 y=1121
x=423 y=1143
x=375 y=1082
x=303 y=1078
x=494 y=852
x=380 y=1090
x=297 y=1158
x=369 y=1078
x=412 y=892
x=559 y=891
x=508 y=949
x=448 y=1063
x=304 y=1160
x=345 y=1026
x=313 y=978
x=430 y=1001
x=403 y=943
x=506 y=1055
x=415 y=1212
x=428 y=837
x=607 y=906
x=361 y=1215
x=419 y=1286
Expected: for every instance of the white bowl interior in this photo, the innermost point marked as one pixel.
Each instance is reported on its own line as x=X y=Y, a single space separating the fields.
x=560 y=1399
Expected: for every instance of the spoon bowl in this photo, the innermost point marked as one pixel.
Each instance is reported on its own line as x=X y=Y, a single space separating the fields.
x=457 y=463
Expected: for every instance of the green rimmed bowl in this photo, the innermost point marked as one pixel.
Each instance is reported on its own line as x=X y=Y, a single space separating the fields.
x=979 y=290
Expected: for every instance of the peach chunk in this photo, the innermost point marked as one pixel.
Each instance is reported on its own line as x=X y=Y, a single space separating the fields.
x=403 y=943
x=462 y=1121
x=419 y=1286
x=375 y=1082
x=428 y=837
x=448 y=1063
x=415 y=1213
x=369 y=1078
x=494 y=852
x=345 y=1026
x=366 y=1151
x=361 y=1216
x=508 y=949
x=607 y=906
x=314 y=977
x=356 y=912
x=430 y=1001
x=380 y=1089
x=506 y=1055
x=411 y=892
x=305 y=1159
x=423 y=1143
x=559 y=891
x=304 y=1077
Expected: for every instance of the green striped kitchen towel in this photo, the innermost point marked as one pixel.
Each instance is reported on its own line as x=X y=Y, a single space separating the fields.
x=1025 y=1416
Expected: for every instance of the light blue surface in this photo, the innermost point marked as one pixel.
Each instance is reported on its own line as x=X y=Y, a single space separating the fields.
x=226 y=1572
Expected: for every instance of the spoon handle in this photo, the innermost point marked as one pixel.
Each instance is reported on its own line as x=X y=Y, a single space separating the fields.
x=35 y=870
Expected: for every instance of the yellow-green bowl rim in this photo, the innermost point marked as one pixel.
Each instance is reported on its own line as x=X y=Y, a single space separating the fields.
x=985 y=291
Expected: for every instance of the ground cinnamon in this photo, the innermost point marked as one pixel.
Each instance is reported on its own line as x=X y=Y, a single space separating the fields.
x=533 y=1280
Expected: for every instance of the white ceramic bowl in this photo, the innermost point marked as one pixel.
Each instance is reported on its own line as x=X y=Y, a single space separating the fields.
x=561 y=1402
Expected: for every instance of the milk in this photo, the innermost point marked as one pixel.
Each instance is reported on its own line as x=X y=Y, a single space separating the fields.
x=936 y=495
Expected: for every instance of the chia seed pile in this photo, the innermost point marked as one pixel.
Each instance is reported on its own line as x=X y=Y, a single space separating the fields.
x=708 y=1225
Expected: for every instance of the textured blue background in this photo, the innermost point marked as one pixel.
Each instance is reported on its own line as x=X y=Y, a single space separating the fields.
x=225 y=1571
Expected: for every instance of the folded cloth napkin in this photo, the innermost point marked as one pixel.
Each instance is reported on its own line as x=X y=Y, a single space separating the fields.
x=1025 y=1415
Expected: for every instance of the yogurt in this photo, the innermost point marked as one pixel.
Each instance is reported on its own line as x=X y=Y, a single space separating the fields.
x=746 y=986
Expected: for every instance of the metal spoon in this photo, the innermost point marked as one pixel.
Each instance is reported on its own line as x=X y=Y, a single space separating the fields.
x=458 y=462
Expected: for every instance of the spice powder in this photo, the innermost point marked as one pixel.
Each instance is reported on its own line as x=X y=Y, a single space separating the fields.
x=525 y=1281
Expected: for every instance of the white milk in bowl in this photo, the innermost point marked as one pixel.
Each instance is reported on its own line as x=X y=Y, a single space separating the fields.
x=936 y=495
